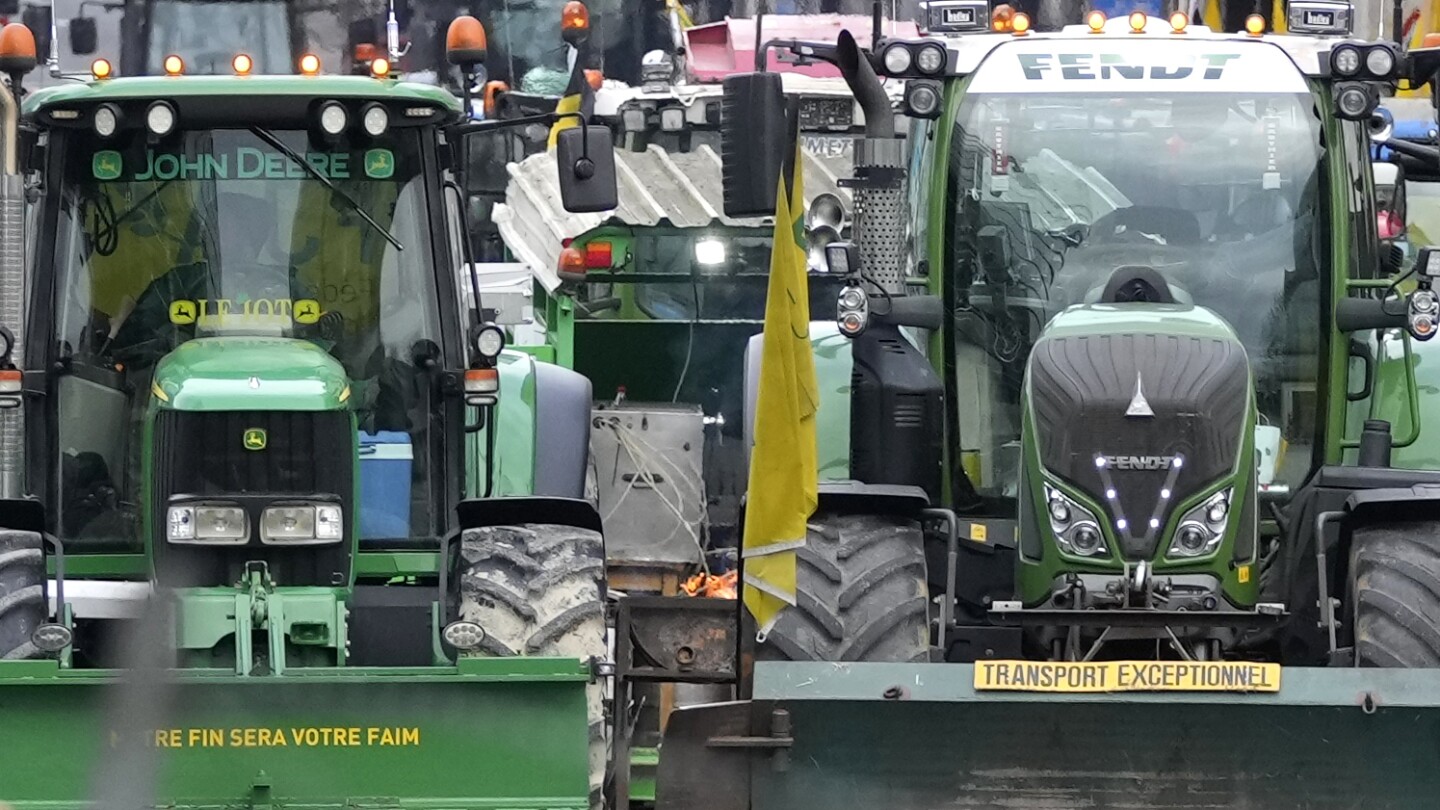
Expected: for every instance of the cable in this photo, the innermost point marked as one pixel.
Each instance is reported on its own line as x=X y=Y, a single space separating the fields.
x=1385 y=297
x=648 y=463
x=889 y=302
x=690 y=341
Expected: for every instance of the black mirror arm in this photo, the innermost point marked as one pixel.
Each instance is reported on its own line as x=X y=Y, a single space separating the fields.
x=804 y=49
x=458 y=131
x=1414 y=150
x=1421 y=65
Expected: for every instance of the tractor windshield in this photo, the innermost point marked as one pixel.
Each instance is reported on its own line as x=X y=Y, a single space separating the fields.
x=1050 y=194
x=189 y=28
x=217 y=233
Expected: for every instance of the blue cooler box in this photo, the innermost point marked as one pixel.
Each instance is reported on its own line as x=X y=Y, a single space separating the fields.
x=385 y=460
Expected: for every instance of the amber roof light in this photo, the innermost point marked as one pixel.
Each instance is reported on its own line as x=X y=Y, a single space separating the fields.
x=17 y=49
x=465 y=41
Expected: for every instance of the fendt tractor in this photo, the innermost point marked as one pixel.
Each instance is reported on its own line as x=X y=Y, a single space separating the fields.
x=1136 y=434
x=249 y=550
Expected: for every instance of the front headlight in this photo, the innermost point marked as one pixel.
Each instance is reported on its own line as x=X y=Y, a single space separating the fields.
x=1203 y=527
x=1076 y=529
x=301 y=524
x=207 y=524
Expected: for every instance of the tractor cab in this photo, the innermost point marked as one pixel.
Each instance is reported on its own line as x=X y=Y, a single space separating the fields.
x=215 y=262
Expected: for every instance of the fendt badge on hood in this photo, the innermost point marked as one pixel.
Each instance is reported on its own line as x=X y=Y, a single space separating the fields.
x=1138 y=404
x=1141 y=462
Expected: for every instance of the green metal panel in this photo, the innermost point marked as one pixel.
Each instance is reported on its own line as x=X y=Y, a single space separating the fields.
x=1167 y=319
x=1392 y=398
x=387 y=564
x=149 y=87
x=105 y=566
x=250 y=373
x=643 y=762
x=490 y=733
x=515 y=437
x=833 y=365
x=1313 y=745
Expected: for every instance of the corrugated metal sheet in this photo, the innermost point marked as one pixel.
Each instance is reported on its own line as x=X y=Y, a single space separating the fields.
x=657 y=187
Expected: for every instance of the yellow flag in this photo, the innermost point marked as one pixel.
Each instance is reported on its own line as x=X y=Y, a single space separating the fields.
x=579 y=97
x=1278 y=23
x=783 y=467
x=1211 y=15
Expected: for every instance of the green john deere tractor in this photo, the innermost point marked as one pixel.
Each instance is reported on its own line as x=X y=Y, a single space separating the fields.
x=1137 y=407
x=248 y=545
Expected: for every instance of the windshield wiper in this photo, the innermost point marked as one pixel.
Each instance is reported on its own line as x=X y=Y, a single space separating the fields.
x=269 y=137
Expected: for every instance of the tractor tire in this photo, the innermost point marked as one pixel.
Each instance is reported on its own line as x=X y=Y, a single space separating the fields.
x=1395 y=591
x=861 y=594
x=539 y=590
x=22 y=593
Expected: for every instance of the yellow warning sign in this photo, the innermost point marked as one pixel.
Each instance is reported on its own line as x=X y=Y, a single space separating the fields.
x=1126 y=676
x=183 y=312
x=1243 y=574
x=977 y=532
x=288 y=737
x=226 y=311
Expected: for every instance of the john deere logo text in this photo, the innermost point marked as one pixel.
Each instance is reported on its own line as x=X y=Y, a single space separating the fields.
x=254 y=439
x=1209 y=66
x=379 y=164
x=106 y=165
x=245 y=163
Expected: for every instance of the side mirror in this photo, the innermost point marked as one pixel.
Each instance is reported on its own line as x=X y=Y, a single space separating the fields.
x=84 y=38
x=753 y=132
x=1389 y=201
x=37 y=19
x=585 y=158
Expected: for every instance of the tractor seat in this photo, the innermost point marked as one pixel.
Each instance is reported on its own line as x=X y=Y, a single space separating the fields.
x=1136 y=284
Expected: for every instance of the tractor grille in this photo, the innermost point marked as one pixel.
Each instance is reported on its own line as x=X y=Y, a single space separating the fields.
x=1081 y=388
x=305 y=454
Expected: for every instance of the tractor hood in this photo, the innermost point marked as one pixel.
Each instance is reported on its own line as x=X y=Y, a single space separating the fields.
x=250 y=373
x=1138 y=407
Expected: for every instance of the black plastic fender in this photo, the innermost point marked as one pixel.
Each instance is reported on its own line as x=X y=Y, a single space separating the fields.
x=476 y=512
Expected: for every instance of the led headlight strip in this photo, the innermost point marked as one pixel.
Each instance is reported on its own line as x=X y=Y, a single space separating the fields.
x=1122 y=524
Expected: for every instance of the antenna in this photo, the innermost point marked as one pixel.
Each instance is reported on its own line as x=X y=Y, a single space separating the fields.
x=392 y=36
x=52 y=59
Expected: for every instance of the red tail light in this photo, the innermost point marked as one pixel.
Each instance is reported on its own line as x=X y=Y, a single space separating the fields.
x=599 y=256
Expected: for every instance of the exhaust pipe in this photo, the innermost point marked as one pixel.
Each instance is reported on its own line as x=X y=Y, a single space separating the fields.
x=879 y=194
x=855 y=67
